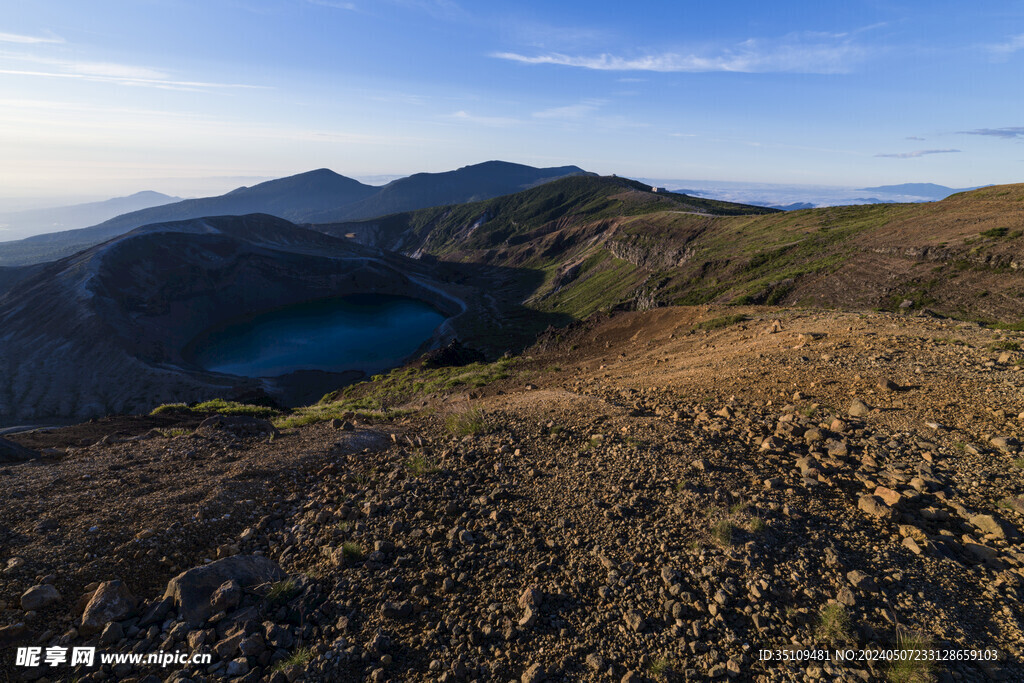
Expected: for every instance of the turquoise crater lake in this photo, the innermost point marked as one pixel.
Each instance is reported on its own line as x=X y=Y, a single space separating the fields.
x=368 y=332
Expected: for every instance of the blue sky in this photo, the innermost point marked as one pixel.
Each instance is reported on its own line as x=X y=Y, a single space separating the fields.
x=110 y=97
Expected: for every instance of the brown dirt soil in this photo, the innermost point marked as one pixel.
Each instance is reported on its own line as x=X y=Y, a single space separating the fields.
x=681 y=489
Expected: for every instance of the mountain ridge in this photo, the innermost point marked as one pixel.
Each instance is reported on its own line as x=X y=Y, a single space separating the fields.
x=298 y=198
x=27 y=223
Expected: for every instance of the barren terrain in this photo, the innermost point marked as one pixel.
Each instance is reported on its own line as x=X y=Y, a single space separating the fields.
x=641 y=496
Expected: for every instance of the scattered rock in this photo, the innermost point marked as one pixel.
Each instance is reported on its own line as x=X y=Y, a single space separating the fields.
x=859 y=409
x=111 y=601
x=39 y=598
x=191 y=590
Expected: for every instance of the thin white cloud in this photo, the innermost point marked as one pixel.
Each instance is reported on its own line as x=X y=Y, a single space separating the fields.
x=28 y=40
x=572 y=111
x=106 y=72
x=350 y=6
x=151 y=83
x=493 y=121
x=1014 y=44
x=804 y=53
x=913 y=137
x=918 y=153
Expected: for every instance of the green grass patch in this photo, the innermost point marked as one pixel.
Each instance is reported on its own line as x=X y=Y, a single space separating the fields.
x=833 y=625
x=419 y=464
x=352 y=551
x=466 y=422
x=170 y=408
x=659 y=668
x=721 y=532
x=995 y=232
x=910 y=669
x=300 y=658
x=217 y=405
x=381 y=395
x=283 y=591
x=757 y=525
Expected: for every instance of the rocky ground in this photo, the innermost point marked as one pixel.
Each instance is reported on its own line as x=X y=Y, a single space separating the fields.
x=648 y=496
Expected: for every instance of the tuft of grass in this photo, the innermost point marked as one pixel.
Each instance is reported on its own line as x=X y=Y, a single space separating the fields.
x=738 y=508
x=381 y=396
x=283 y=591
x=170 y=408
x=834 y=624
x=1004 y=346
x=659 y=668
x=1019 y=463
x=299 y=658
x=217 y=405
x=909 y=668
x=177 y=431
x=352 y=550
x=995 y=232
x=757 y=525
x=720 y=322
x=420 y=464
x=466 y=422
x=721 y=532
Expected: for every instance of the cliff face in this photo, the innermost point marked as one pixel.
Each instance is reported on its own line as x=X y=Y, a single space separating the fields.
x=104 y=331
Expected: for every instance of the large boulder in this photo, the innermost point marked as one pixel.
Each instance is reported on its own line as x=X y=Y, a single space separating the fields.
x=11 y=452
x=111 y=601
x=39 y=597
x=193 y=590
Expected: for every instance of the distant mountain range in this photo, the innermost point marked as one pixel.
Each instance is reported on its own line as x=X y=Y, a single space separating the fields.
x=316 y=196
x=16 y=225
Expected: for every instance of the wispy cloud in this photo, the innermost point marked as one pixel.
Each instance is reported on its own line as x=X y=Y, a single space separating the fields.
x=1014 y=44
x=493 y=121
x=917 y=153
x=572 y=111
x=350 y=6
x=913 y=137
x=28 y=40
x=105 y=72
x=1010 y=133
x=798 y=53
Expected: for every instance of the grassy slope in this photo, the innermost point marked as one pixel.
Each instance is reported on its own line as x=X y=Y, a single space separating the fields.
x=602 y=242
